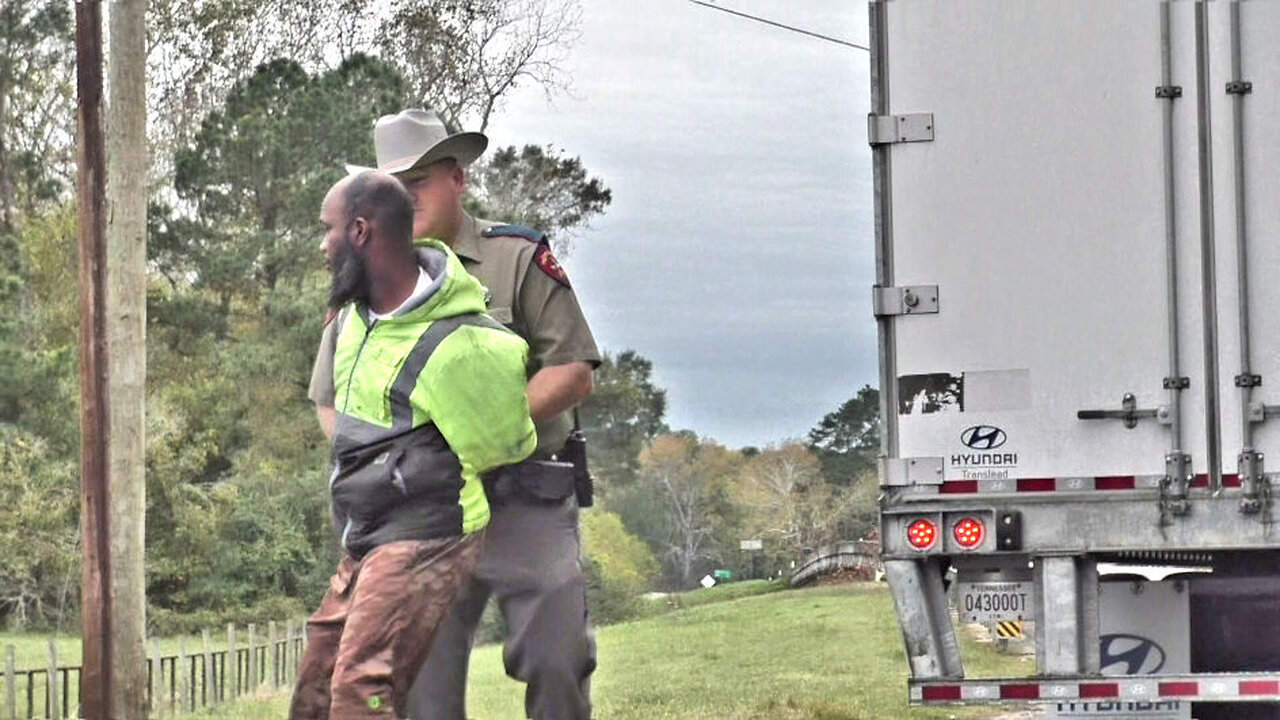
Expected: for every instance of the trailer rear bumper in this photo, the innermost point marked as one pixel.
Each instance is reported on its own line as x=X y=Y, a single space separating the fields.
x=1208 y=687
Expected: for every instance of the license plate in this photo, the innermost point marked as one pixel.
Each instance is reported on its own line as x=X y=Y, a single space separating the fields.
x=988 y=602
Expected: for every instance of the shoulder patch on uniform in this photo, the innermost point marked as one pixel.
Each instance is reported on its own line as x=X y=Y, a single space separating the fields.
x=519 y=231
x=548 y=264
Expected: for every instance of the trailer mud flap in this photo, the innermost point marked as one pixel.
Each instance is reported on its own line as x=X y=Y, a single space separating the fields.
x=1144 y=631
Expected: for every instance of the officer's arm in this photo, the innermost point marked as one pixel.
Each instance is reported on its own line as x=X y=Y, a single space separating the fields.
x=559 y=339
x=320 y=389
x=552 y=390
x=326 y=417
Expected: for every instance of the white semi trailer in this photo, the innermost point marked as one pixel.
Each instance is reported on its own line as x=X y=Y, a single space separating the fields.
x=1078 y=298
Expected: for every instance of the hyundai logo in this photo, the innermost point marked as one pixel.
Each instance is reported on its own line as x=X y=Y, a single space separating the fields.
x=983 y=437
x=1136 y=654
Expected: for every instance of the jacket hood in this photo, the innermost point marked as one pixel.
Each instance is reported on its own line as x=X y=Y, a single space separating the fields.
x=453 y=290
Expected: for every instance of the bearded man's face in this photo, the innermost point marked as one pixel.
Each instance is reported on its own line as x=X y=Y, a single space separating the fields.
x=347 y=265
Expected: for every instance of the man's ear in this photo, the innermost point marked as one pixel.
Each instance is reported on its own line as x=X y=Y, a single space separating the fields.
x=362 y=232
x=459 y=178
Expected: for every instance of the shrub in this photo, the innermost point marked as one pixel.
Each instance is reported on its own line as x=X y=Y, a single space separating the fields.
x=619 y=568
x=39 y=548
x=163 y=622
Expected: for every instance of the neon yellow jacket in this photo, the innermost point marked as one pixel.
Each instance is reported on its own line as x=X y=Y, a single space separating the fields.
x=440 y=367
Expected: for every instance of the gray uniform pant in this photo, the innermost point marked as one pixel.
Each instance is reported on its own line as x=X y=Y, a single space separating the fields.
x=530 y=563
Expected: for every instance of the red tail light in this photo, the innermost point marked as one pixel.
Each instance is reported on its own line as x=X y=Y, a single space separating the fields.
x=969 y=532
x=922 y=534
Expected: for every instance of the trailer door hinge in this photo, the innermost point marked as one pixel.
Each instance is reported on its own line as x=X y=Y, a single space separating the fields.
x=1239 y=87
x=1248 y=380
x=891 y=129
x=905 y=472
x=1254 y=489
x=1173 y=488
x=904 y=300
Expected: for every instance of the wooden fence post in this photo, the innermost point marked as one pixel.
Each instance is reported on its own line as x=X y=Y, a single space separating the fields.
x=55 y=707
x=181 y=670
x=210 y=690
x=275 y=655
x=10 y=685
x=290 y=653
x=299 y=647
x=233 y=658
x=251 y=688
x=157 y=678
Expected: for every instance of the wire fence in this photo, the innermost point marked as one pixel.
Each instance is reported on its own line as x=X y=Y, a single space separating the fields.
x=202 y=676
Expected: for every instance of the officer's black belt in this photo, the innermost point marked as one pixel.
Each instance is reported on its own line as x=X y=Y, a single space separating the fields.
x=531 y=481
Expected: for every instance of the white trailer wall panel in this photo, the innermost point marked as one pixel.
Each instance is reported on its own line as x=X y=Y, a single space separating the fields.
x=1260 y=64
x=1038 y=210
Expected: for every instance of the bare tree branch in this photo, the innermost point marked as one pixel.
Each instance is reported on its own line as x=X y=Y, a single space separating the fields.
x=462 y=57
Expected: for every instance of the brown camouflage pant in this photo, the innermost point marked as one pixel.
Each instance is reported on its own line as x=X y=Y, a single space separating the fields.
x=375 y=624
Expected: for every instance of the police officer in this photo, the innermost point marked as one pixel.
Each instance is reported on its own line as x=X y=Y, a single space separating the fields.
x=530 y=561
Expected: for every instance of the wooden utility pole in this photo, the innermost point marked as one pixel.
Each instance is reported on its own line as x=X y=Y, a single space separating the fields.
x=126 y=315
x=112 y=205
x=96 y=675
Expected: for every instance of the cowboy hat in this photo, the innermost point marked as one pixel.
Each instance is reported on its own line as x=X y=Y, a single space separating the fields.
x=414 y=139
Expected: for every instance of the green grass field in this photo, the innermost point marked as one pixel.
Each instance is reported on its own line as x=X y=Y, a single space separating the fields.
x=830 y=653
x=31 y=650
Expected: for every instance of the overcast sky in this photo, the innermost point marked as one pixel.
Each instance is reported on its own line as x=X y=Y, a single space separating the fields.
x=738 y=252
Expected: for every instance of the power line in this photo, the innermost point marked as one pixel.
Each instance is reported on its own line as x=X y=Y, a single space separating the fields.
x=792 y=28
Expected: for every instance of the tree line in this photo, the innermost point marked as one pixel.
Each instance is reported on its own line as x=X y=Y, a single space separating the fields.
x=692 y=501
x=253 y=110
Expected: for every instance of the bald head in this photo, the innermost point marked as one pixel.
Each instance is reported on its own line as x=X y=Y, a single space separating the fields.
x=381 y=201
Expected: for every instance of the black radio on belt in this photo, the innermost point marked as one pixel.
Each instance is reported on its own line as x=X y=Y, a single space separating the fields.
x=546 y=481
x=575 y=453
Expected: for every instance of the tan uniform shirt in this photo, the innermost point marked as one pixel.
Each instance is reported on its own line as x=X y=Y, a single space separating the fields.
x=528 y=293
